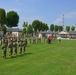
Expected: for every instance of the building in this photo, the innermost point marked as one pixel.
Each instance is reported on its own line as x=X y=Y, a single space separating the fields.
x=1 y=33
x=72 y=34
x=16 y=32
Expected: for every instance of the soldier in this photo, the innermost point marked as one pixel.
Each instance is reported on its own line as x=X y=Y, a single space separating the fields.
x=20 y=47
x=3 y=50
x=15 y=47
x=39 y=40
x=1 y=40
x=59 y=40
x=15 y=39
x=29 y=39
x=10 y=46
x=34 y=40
x=6 y=40
x=26 y=42
x=24 y=45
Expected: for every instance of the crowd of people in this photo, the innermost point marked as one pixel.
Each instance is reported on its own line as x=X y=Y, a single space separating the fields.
x=13 y=45
x=17 y=46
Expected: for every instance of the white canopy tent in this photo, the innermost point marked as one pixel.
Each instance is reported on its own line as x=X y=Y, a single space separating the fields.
x=63 y=33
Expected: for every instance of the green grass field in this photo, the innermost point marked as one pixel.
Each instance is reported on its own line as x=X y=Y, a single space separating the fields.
x=42 y=59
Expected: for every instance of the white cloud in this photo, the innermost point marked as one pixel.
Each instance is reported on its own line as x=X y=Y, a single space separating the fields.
x=70 y=15
x=58 y=20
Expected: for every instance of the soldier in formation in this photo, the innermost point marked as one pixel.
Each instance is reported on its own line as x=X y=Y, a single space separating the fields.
x=20 y=47
x=3 y=50
x=24 y=45
x=15 y=47
x=12 y=45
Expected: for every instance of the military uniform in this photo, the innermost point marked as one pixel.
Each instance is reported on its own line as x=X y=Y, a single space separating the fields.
x=3 y=50
x=59 y=40
x=15 y=48
x=10 y=46
x=34 y=40
x=20 y=47
x=29 y=40
x=24 y=46
x=39 y=40
x=26 y=42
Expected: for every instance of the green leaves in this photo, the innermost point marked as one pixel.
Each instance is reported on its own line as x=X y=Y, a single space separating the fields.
x=12 y=19
x=2 y=16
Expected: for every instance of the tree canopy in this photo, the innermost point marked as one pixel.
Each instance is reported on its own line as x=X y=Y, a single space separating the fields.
x=12 y=19
x=35 y=25
x=29 y=29
x=52 y=27
x=73 y=28
x=67 y=28
x=2 y=17
x=60 y=28
x=56 y=28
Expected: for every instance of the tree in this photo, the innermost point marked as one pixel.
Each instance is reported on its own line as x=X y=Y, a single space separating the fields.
x=12 y=19
x=24 y=31
x=35 y=25
x=52 y=27
x=25 y=25
x=43 y=27
x=56 y=28
x=30 y=29
x=46 y=27
x=60 y=28
x=3 y=28
x=40 y=26
x=2 y=17
x=67 y=28
x=73 y=28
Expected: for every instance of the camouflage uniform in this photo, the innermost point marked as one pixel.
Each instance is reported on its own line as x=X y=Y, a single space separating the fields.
x=3 y=50
x=34 y=40
x=59 y=40
x=29 y=40
x=26 y=42
x=15 y=48
x=10 y=46
x=20 y=47
x=38 y=40
x=24 y=45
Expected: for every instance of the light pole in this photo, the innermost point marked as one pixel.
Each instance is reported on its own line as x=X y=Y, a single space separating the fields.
x=63 y=22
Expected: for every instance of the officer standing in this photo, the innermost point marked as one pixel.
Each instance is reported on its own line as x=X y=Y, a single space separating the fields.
x=20 y=47
x=59 y=40
x=10 y=46
x=24 y=46
x=3 y=50
x=15 y=47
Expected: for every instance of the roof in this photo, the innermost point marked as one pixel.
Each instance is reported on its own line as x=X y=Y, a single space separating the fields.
x=48 y=32
x=72 y=32
x=63 y=32
x=14 y=29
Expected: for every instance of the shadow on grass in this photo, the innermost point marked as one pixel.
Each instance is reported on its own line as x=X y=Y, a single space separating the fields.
x=20 y=55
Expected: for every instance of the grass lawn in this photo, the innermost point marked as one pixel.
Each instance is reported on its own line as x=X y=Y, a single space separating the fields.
x=42 y=59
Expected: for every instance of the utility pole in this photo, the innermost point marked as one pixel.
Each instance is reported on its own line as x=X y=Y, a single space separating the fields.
x=63 y=22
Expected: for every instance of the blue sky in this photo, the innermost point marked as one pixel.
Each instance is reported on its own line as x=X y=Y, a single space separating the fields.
x=47 y=11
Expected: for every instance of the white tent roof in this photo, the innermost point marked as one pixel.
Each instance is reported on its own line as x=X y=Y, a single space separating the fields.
x=63 y=32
